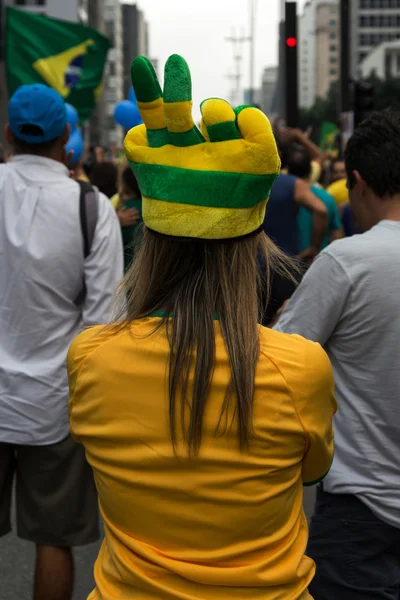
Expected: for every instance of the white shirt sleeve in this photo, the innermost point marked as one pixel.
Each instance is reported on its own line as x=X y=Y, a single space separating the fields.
x=316 y=307
x=104 y=266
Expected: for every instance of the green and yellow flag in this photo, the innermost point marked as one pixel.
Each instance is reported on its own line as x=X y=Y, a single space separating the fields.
x=68 y=57
x=329 y=132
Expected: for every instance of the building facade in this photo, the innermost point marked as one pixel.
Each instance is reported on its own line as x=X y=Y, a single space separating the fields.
x=68 y=10
x=114 y=72
x=136 y=39
x=94 y=134
x=318 y=49
x=383 y=61
x=373 y=22
x=327 y=56
x=268 y=87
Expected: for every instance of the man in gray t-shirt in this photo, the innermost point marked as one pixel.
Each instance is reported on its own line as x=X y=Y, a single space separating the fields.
x=349 y=302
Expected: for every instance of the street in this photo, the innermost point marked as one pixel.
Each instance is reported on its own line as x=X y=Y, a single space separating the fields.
x=17 y=556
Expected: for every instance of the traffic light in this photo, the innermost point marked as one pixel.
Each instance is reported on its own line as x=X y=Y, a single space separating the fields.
x=364 y=101
x=291 y=70
x=291 y=42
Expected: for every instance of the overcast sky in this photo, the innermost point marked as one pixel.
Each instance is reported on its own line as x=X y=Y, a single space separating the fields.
x=197 y=30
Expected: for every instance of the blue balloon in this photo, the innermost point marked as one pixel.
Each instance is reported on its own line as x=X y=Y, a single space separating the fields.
x=72 y=116
x=132 y=95
x=127 y=114
x=75 y=143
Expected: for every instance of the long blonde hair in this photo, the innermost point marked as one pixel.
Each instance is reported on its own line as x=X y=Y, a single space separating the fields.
x=193 y=283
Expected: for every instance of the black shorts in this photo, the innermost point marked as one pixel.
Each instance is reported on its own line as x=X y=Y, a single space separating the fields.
x=56 y=497
x=357 y=554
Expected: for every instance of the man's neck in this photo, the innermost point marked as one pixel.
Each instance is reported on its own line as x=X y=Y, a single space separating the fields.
x=389 y=209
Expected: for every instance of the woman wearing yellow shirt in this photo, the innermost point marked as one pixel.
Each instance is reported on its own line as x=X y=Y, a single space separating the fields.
x=201 y=426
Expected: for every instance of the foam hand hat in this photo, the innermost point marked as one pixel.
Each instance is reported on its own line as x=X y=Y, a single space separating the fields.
x=208 y=184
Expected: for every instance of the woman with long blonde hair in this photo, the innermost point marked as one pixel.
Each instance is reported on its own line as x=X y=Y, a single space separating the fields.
x=200 y=425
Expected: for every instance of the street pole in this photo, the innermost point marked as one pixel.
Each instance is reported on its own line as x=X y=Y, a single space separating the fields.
x=345 y=96
x=291 y=65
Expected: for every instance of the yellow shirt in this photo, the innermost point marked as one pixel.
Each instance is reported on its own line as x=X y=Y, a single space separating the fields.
x=115 y=201
x=339 y=191
x=226 y=525
x=316 y=171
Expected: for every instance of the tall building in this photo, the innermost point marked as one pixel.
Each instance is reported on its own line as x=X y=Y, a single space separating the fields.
x=268 y=87
x=136 y=39
x=278 y=101
x=114 y=72
x=95 y=10
x=68 y=10
x=383 y=61
x=372 y=22
x=318 y=33
x=327 y=46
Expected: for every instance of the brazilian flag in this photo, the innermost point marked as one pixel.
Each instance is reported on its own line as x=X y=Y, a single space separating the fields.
x=68 y=57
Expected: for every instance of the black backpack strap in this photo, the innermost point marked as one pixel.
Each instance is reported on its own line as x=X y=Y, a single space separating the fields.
x=88 y=212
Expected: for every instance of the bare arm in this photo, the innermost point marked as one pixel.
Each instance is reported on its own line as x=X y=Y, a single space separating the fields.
x=304 y=197
x=297 y=136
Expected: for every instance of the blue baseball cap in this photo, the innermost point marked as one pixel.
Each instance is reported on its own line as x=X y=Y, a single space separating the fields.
x=40 y=106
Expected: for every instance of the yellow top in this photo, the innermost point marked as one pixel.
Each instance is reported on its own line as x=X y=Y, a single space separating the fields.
x=223 y=526
x=316 y=171
x=339 y=191
x=115 y=201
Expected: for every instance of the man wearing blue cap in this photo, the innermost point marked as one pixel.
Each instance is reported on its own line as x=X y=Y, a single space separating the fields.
x=54 y=280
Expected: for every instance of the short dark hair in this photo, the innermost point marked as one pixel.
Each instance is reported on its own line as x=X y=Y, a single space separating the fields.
x=130 y=181
x=299 y=164
x=22 y=147
x=374 y=151
x=104 y=176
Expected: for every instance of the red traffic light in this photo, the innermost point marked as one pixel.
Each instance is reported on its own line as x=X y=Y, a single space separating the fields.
x=291 y=42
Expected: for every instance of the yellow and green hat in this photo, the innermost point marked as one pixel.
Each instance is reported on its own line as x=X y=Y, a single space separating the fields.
x=212 y=183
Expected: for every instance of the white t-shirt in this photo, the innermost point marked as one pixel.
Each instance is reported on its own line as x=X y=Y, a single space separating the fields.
x=349 y=302
x=42 y=270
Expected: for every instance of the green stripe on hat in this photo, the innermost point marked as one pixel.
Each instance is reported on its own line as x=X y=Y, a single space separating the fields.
x=214 y=189
x=144 y=79
x=158 y=137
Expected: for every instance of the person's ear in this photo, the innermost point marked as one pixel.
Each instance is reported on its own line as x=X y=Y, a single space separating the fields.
x=360 y=184
x=9 y=135
x=66 y=134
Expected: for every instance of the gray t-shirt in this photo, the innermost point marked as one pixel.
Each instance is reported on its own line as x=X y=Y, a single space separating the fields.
x=349 y=302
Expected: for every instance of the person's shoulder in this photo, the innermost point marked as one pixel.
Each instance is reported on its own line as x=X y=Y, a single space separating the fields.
x=348 y=250
x=105 y=205
x=88 y=342
x=115 y=201
x=323 y=195
x=293 y=355
x=339 y=191
x=285 y=179
x=4 y=169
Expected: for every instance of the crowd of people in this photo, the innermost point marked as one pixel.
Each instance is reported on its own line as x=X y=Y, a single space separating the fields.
x=249 y=350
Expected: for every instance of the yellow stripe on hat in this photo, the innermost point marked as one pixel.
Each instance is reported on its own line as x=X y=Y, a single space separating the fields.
x=178 y=116
x=234 y=156
x=152 y=113
x=184 y=220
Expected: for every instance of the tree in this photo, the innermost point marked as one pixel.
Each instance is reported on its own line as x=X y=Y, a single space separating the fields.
x=387 y=95
x=387 y=92
x=324 y=109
